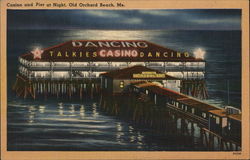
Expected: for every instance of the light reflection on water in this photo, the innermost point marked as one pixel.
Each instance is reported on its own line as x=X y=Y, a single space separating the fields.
x=119 y=133
x=42 y=109
x=95 y=113
x=111 y=35
x=31 y=115
x=72 y=110
x=77 y=124
x=81 y=127
x=82 y=111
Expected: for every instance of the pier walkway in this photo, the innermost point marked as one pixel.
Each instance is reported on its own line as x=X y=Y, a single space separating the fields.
x=150 y=105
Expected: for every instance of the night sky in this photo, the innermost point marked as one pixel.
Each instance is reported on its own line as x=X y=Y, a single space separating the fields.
x=200 y=19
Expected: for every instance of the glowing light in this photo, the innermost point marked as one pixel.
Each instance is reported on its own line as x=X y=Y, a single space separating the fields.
x=37 y=53
x=42 y=109
x=72 y=107
x=119 y=127
x=82 y=111
x=199 y=53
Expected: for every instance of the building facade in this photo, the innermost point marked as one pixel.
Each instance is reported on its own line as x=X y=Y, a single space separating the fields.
x=88 y=59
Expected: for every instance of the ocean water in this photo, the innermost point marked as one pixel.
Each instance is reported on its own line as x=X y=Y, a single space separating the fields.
x=80 y=125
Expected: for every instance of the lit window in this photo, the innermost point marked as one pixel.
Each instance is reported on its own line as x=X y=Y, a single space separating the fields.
x=217 y=120
x=193 y=110
x=229 y=125
x=121 y=84
x=204 y=115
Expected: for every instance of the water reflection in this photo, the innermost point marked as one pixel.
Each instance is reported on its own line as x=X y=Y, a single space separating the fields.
x=119 y=127
x=139 y=137
x=103 y=35
x=82 y=111
x=72 y=109
x=60 y=109
x=140 y=142
x=60 y=105
x=41 y=109
x=31 y=118
x=32 y=108
x=119 y=132
x=55 y=119
x=132 y=138
x=31 y=114
x=95 y=113
x=130 y=129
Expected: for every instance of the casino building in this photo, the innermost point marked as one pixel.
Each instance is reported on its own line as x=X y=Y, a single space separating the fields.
x=87 y=59
x=81 y=60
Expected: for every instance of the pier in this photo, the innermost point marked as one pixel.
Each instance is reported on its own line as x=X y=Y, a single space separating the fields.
x=169 y=112
x=62 y=88
x=139 y=81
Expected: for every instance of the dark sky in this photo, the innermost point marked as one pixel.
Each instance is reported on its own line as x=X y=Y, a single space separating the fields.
x=199 y=19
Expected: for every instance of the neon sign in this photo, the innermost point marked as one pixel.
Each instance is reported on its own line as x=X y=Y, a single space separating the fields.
x=149 y=75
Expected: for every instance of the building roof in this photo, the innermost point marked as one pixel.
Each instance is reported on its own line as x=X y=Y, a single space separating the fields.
x=109 y=50
x=223 y=113
x=137 y=82
x=132 y=72
x=236 y=117
x=144 y=85
x=198 y=104
x=160 y=90
x=219 y=112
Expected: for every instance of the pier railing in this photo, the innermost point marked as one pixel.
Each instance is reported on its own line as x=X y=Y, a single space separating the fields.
x=163 y=115
x=108 y=68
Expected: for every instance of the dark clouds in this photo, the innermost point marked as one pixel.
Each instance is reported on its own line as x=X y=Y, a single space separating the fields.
x=202 y=19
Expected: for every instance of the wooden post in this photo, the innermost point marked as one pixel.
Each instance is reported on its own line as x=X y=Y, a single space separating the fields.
x=34 y=90
x=227 y=147
x=16 y=83
x=70 y=90
x=57 y=90
x=222 y=144
x=92 y=90
x=201 y=136
x=211 y=141
x=206 y=140
x=80 y=92
x=192 y=129
x=231 y=146
x=182 y=126
x=25 y=90
x=45 y=89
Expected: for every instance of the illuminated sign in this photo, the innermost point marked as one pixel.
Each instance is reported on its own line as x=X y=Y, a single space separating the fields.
x=149 y=75
x=114 y=49
x=110 y=44
x=117 y=53
x=110 y=50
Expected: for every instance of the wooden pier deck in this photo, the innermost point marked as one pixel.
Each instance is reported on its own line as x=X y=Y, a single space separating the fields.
x=162 y=109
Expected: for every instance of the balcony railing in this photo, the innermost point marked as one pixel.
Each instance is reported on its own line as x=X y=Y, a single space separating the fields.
x=108 y=68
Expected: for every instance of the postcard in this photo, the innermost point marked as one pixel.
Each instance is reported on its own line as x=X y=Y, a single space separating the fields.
x=124 y=79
